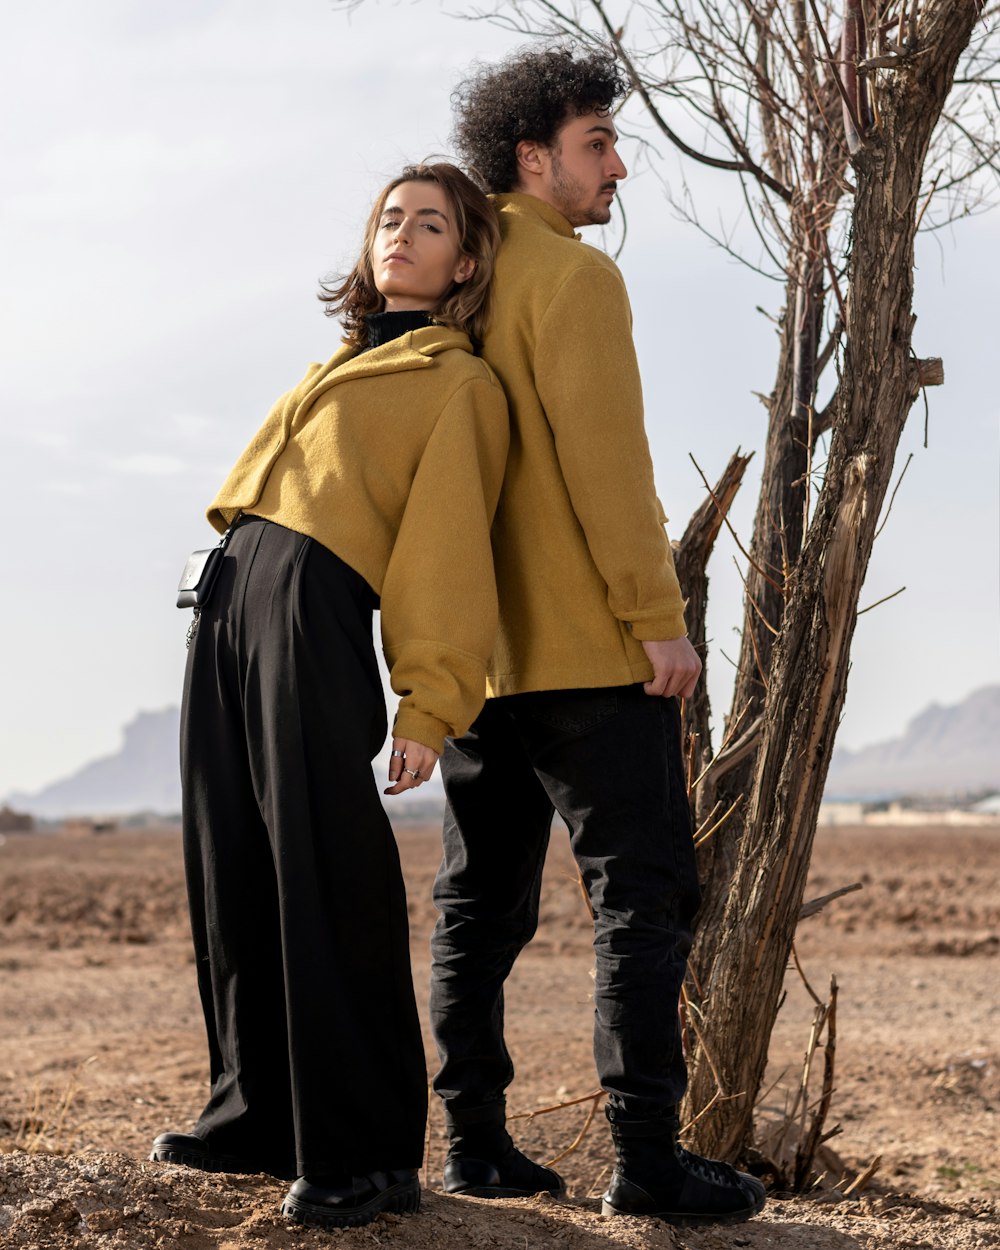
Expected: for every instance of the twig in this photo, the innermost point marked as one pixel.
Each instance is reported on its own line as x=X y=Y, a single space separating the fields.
x=756 y=606
x=743 y=550
x=892 y=497
x=884 y=599
x=721 y=754
x=805 y=980
x=583 y=893
x=557 y=1106
x=579 y=1137
x=701 y=838
x=926 y=203
x=692 y=1017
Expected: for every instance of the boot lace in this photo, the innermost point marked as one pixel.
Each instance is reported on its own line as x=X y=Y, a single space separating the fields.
x=710 y=1170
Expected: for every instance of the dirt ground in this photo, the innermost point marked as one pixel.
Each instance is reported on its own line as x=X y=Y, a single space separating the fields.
x=101 y=1048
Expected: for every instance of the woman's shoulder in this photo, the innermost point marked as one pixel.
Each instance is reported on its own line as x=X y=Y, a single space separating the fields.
x=454 y=357
x=468 y=368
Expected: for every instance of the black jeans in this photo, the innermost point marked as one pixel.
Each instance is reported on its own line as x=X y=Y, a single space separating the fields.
x=609 y=761
x=298 y=910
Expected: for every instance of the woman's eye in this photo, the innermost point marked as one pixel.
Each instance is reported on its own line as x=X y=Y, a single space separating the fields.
x=432 y=229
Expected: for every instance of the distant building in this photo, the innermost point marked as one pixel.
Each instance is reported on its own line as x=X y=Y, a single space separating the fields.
x=15 y=822
x=82 y=826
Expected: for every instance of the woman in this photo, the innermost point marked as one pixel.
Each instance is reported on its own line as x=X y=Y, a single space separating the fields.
x=373 y=482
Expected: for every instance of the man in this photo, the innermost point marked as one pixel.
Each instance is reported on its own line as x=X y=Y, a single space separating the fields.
x=592 y=652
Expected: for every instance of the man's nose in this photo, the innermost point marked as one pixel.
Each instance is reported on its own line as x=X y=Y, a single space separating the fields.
x=617 y=167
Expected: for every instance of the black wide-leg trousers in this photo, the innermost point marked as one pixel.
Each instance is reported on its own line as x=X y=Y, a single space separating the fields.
x=297 y=901
x=609 y=761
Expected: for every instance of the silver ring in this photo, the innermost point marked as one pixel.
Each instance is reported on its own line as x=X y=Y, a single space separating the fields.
x=414 y=773
x=398 y=755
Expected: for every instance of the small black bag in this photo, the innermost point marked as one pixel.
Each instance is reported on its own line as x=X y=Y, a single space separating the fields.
x=199 y=574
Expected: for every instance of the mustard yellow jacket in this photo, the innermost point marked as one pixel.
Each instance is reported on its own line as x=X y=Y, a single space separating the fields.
x=583 y=564
x=393 y=460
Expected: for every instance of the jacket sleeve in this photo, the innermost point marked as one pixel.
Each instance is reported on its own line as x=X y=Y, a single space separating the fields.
x=587 y=378
x=439 y=599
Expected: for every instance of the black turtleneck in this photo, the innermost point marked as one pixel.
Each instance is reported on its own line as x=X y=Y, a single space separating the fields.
x=383 y=327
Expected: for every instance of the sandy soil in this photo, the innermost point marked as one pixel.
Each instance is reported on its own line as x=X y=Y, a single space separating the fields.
x=102 y=1048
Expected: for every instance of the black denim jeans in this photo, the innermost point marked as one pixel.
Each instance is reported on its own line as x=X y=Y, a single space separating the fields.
x=609 y=761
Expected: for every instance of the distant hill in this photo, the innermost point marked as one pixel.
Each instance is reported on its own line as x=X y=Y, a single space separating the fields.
x=944 y=751
x=143 y=776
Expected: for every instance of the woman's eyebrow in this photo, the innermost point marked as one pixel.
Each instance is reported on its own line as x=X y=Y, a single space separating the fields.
x=421 y=212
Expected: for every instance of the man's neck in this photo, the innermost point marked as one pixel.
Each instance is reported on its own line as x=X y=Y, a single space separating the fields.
x=521 y=190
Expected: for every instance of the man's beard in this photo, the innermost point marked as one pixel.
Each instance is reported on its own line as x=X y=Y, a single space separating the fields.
x=571 y=199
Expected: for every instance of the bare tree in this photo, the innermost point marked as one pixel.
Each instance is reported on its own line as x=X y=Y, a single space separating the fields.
x=850 y=124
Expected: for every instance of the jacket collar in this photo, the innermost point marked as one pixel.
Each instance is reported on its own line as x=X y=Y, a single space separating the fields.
x=414 y=350
x=519 y=204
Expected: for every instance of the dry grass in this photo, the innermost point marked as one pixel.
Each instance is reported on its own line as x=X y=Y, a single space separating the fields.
x=43 y=1125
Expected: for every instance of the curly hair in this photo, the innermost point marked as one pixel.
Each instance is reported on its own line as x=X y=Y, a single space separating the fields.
x=529 y=95
x=464 y=306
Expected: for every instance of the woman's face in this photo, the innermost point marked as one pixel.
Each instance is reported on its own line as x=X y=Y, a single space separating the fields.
x=416 y=255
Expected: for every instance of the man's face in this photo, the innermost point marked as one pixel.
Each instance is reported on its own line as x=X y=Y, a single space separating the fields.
x=579 y=174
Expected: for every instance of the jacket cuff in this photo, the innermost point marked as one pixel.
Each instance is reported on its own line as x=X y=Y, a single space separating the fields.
x=419 y=727
x=664 y=627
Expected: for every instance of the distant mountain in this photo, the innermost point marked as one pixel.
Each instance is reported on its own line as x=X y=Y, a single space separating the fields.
x=943 y=751
x=142 y=776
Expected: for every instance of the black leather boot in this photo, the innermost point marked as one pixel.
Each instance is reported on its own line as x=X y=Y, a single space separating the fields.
x=656 y=1176
x=350 y=1201
x=194 y=1152
x=483 y=1161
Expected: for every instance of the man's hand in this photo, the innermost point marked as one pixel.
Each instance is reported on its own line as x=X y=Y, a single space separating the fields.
x=676 y=668
x=410 y=764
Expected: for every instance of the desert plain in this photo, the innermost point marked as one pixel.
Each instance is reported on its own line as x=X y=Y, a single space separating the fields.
x=101 y=1048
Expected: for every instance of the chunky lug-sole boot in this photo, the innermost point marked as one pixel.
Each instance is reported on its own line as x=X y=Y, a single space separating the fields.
x=349 y=1202
x=658 y=1178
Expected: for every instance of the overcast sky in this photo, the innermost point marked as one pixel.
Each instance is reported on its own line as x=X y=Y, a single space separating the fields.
x=177 y=178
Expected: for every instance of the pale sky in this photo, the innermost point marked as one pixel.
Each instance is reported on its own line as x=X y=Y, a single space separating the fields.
x=177 y=178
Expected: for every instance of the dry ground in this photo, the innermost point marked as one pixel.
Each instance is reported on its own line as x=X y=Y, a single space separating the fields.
x=101 y=1048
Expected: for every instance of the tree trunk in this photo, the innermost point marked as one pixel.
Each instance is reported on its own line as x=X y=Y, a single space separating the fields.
x=783 y=501
x=809 y=668
x=776 y=541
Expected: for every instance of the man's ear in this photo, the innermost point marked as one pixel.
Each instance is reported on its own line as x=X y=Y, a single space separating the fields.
x=532 y=159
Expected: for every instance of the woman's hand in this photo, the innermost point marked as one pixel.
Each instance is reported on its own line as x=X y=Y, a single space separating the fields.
x=410 y=764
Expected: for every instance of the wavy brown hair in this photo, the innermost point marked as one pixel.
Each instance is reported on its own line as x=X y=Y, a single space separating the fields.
x=465 y=305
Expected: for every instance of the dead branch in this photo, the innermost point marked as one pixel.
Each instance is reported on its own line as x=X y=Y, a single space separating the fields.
x=863 y=1178
x=817 y=904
